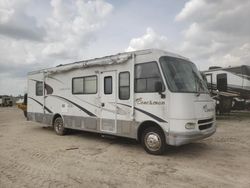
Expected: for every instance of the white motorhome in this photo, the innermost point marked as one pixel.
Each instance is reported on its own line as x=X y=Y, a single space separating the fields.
x=151 y=95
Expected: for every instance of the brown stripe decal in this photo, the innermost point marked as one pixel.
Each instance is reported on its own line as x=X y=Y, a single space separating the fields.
x=41 y=104
x=147 y=113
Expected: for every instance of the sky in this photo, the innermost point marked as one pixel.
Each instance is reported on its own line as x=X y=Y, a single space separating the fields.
x=36 y=34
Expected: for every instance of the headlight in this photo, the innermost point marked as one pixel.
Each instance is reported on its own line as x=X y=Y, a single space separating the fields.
x=190 y=125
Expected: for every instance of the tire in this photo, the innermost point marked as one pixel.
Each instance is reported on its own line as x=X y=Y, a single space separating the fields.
x=59 y=127
x=25 y=113
x=153 y=141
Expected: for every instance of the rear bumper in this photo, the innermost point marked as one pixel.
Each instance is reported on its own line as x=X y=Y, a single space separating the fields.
x=177 y=138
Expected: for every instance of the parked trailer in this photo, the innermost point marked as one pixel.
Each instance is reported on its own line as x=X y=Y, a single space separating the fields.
x=153 y=96
x=6 y=101
x=232 y=85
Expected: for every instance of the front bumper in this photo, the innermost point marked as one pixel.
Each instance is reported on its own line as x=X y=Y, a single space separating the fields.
x=181 y=138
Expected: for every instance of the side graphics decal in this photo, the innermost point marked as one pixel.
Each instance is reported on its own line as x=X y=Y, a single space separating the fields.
x=47 y=87
x=147 y=113
x=78 y=106
x=41 y=105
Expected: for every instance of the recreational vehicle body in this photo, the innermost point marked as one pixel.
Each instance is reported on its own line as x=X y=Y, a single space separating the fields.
x=153 y=96
x=232 y=84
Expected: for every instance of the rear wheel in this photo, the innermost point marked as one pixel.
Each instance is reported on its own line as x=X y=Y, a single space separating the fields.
x=59 y=127
x=25 y=113
x=153 y=141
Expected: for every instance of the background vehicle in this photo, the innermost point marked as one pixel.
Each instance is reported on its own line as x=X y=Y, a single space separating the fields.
x=153 y=96
x=231 y=85
x=6 y=101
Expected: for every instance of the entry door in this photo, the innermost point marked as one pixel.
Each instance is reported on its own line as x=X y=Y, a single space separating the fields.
x=222 y=82
x=108 y=115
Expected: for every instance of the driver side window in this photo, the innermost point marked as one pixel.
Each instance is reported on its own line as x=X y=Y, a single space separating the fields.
x=146 y=76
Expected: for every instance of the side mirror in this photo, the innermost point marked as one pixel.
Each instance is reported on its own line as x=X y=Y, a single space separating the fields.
x=159 y=89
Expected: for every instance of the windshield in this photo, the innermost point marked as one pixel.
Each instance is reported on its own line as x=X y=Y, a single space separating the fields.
x=182 y=75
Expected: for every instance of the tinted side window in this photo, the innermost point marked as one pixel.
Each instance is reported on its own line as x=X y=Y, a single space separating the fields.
x=84 y=85
x=108 y=85
x=39 y=88
x=77 y=86
x=146 y=75
x=124 y=86
x=90 y=85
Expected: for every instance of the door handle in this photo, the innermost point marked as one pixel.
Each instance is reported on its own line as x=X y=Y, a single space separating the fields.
x=102 y=104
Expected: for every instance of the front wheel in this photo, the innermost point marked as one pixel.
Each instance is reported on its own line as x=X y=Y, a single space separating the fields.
x=59 y=127
x=153 y=141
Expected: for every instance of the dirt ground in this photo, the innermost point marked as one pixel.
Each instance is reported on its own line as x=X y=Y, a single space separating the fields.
x=32 y=156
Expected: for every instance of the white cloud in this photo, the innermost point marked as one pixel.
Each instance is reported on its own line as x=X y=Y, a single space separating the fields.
x=71 y=27
x=218 y=31
x=27 y=43
x=6 y=11
x=67 y=30
x=149 y=40
x=190 y=8
x=16 y=52
x=18 y=85
x=16 y=23
x=234 y=57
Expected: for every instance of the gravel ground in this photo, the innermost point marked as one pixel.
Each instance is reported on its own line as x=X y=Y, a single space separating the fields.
x=33 y=156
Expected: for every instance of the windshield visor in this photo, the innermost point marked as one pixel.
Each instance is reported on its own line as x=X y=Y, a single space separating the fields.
x=182 y=76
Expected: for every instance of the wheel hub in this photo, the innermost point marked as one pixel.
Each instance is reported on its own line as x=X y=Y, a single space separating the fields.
x=58 y=125
x=153 y=141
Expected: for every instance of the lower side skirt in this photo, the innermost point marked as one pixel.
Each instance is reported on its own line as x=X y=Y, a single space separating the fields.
x=123 y=128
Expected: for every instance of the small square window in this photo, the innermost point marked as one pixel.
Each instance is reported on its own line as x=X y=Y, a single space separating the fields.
x=124 y=86
x=108 y=85
x=39 y=88
x=90 y=85
x=77 y=85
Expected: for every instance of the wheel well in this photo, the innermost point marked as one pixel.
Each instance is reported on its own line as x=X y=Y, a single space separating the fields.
x=146 y=125
x=54 y=118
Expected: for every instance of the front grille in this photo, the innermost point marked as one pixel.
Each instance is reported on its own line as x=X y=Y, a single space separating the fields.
x=206 y=126
x=205 y=121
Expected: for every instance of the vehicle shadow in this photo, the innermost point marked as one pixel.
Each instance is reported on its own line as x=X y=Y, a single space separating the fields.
x=104 y=137
x=96 y=136
x=189 y=150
